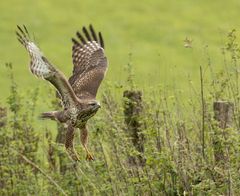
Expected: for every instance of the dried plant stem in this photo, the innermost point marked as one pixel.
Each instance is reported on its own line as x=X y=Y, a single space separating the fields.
x=203 y=114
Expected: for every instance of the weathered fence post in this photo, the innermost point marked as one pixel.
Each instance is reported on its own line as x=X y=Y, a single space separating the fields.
x=132 y=111
x=51 y=151
x=3 y=117
x=60 y=139
x=2 y=124
x=223 y=113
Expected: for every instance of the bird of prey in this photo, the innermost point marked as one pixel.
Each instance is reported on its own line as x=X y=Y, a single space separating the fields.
x=78 y=94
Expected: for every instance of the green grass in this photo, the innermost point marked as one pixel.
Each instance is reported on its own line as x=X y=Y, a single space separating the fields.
x=153 y=31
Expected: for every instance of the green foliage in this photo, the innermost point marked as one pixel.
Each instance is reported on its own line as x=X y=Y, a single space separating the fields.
x=18 y=137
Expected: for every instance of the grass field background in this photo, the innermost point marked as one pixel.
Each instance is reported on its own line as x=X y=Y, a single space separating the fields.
x=153 y=31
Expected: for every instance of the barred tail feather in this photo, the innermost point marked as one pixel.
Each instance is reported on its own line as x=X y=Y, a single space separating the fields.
x=48 y=115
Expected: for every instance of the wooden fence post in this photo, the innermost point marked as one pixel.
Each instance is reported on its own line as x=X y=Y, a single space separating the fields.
x=223 y=113
x=60 y=139
x=132 y=111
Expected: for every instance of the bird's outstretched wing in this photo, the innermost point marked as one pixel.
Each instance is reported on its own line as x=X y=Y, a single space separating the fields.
x=90 y=63
x=41 y=67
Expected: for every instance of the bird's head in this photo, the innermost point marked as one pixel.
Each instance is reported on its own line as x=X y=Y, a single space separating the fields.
x=88 y=110
x=93 y=105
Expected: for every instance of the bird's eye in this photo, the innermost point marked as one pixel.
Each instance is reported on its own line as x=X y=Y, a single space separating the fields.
x=93 y=104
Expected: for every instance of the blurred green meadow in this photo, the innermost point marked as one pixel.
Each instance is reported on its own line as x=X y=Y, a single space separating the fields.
x=153 y=32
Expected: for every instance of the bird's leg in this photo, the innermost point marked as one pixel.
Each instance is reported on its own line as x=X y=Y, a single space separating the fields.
x=69 y=143
x=84 y=140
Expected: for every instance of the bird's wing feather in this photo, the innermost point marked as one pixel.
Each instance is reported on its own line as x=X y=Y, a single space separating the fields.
x=90 y=63
x=41 y=67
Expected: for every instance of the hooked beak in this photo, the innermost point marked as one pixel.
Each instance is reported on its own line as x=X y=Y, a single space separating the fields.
x=97 y=106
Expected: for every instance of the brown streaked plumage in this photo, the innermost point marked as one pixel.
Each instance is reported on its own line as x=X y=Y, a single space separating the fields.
x=78 y=94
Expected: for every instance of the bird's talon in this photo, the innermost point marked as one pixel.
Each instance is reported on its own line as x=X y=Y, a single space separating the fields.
x=89 y=157
x=73 y=154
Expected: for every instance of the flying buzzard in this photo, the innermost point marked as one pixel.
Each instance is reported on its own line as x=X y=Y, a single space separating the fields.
x=78 y=94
